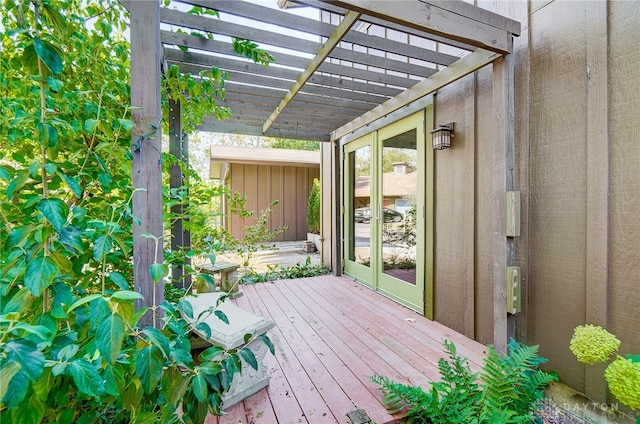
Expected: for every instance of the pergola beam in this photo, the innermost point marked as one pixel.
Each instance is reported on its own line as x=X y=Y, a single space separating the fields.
x=453 y=19
x=468 y=64
x=344 y=27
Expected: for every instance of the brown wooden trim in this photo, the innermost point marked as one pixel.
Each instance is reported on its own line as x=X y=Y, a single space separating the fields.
x=503 y=181
x=597 y=231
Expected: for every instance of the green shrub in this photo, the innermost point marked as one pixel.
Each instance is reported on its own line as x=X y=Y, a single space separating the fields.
x=592 y=344
x=72 y=344
x=507 y=391
x=313 y=208
x=279 y=272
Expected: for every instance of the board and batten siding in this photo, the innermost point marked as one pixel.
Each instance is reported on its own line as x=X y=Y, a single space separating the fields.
x=577 y=166
x=262 y=184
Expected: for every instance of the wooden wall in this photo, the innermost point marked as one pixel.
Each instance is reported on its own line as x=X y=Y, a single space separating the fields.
x=577 y=136
x=262 y=184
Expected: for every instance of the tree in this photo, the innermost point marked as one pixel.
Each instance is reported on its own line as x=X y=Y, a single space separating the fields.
x=71 y=347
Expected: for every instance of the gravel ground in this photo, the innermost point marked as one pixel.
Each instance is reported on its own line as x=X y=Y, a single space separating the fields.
x=551 y=413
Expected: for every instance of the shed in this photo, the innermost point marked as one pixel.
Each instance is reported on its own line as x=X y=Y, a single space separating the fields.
x=264 y=176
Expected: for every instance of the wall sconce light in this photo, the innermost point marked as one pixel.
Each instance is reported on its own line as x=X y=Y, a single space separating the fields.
x=442 y=136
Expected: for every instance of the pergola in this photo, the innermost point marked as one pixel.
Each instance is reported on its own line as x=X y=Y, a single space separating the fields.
x=330 y=81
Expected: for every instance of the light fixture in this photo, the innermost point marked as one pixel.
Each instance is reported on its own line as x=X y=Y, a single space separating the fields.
x=442 y=136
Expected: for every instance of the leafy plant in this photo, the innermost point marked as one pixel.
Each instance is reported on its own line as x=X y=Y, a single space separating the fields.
x=278 y=272
x=255 y=235
x=506 y=391
x=313 y=208
x=71 y=345
x=593 y=344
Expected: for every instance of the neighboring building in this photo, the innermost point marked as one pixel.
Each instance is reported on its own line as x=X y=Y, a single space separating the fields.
x=265 y=175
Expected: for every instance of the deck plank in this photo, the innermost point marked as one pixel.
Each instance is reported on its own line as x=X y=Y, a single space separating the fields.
x=332 y=396
x=331 y=335
x=291 y=356
x=392 y=329
x=431 y=333
x=364 y=340
x=347 y=368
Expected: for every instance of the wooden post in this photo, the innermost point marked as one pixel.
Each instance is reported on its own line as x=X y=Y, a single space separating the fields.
x=470 y=101
x=597 y=272
x=337 y=209
x=503 y=181
x=146 y=147
x=180 y=237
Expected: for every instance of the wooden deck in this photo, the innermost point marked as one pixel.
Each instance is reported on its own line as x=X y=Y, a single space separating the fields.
x=332 y=334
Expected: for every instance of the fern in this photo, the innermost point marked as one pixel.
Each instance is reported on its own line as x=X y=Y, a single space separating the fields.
x=511 y=388
x=515 y=383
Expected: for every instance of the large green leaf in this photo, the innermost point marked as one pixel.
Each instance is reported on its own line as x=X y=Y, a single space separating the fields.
x=86 y=377
x=84 y=300
x=90 y=125
x=175 y=384
x=110 y=336
x=6 y=374
x=249 y=357
x=126 y=295
x=57 y=20
x=30 y=59
x=29 y=412
x=4 y=173
x=73 y=183
x=149 y=364
x=267 y=341
x=101 y=246
x=158 y=339
x=158 y=272
x=40 y=332
x=17 y=302
x=48 y=54
x=71 y=238
x=119 y=280
x=114 y=381
x=19 y=236
x=40 y=274
x=16 y=390
x=210 y=368
x=55 y=211
x=199 y=387
x=17 y=183
x=27 y=355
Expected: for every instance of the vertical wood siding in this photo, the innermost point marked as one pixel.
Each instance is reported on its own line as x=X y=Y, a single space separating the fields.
x=578 y=169
x=262 y=184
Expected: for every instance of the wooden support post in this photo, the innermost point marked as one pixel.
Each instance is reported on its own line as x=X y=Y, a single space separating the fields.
x=503 y=181
x=470 y=102
x=180 y=236
x=146 y=147
x=597 y=272
x=337 y=209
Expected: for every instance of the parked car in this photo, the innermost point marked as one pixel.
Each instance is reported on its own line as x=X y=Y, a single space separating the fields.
x=364 y=215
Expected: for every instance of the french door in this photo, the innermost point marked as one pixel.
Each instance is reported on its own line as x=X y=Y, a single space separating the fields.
x=387 y=216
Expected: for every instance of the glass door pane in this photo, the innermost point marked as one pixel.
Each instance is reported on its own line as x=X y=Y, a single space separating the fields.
x=400 y=213
x=360 y=239
x=358 y=196
x=399 y=191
